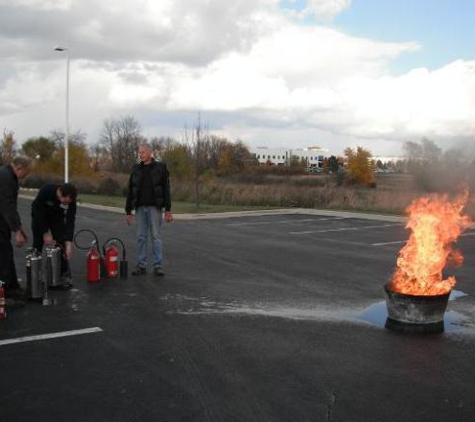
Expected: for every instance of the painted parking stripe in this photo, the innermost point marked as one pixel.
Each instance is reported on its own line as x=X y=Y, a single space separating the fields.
x=266 y=222
x=396 y=242
x=404 y=241
x=50 y=336
x=294 y=222
x=342 y=229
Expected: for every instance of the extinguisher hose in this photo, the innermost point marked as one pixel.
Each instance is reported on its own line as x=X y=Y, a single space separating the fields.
x=82 y=246
x=115 y=239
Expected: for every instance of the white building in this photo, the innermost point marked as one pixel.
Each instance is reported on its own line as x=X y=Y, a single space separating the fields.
x=314 y=156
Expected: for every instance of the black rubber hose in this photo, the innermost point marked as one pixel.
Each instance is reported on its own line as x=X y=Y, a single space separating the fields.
x=76 y=239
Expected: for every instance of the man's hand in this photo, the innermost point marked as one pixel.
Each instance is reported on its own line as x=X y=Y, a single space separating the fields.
x=20 y=237
x=47 y=238
x=168 y=216
x=129 y=218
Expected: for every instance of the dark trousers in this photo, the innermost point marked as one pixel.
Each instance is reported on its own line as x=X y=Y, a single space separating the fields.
x=7 y=265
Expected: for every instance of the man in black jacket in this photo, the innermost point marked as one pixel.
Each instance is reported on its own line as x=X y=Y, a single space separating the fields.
x=148 y=194
x=53 y=215
x=10 y=222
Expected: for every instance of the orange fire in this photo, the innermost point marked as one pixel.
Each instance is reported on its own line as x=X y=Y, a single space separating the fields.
x=435 y=223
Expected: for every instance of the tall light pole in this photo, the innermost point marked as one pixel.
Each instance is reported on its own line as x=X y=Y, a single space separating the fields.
x=66 y=137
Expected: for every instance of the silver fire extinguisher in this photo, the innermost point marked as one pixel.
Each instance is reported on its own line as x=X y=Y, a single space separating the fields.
x=34 y=276
x=52 y=265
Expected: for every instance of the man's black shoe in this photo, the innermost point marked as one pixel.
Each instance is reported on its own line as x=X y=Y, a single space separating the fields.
x=158 y=271
x=14 y=303
x=62 y=286
x=66 y=284
x=139 y=271
x=16 y=293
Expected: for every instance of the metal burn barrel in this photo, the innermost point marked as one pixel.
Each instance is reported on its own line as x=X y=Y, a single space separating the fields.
x=415 y=313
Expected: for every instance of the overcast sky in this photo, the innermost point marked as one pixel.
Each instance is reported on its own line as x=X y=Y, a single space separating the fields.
x=288 y=73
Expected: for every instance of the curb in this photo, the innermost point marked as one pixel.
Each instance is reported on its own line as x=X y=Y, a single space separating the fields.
x=280 y=211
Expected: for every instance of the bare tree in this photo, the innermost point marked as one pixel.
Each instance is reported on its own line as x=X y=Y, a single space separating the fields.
x=121 y=138
x=425 y=149
x=7 y=148
x=162 y=144
x=57 y=137
x=197 y=142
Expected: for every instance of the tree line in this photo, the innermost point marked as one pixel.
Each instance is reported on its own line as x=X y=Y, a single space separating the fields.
x=200 y=155
x=197 y=154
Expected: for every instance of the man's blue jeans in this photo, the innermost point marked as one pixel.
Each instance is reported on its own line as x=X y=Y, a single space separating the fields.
x=149 y=220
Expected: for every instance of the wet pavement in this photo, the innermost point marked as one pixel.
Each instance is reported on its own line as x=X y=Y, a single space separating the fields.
x=272 y=317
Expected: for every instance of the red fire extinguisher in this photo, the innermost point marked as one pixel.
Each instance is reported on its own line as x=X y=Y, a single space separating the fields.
x=93 y=264
x=3 y=305
x=111 y=260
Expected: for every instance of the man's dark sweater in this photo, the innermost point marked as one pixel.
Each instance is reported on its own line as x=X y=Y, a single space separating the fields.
x=49 y=214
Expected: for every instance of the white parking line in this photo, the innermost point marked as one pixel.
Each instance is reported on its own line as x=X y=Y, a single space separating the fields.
x=50 y=336
x=342 y=229
x=267 y=222
x=396 y=242
x=404 y=241
x=260 y=223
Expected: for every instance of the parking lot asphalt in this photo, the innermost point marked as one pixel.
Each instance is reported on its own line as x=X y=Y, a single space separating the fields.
x=275 y=316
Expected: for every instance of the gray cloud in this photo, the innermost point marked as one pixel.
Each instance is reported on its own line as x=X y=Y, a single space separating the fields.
x=192 y=32
x=254 y=72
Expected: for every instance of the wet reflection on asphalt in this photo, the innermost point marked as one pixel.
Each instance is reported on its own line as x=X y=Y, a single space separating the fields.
x=374 y=315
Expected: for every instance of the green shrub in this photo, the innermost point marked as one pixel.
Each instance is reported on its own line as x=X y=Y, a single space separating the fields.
x=35 y=181
x=109 y=186
x=85 y=185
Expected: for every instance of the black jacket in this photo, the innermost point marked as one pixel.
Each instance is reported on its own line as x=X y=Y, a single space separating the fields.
x=48 y=213
x=160 y=183
x=9 y=217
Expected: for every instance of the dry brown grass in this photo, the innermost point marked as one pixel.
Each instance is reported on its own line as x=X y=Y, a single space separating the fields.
x=394 y=192
x=320 y=191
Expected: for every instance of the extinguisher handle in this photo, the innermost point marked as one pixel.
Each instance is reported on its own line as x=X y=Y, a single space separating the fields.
x=115 y=239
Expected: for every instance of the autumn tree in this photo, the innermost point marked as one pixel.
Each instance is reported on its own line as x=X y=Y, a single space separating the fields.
x=234 y=158
x=179 y=161
x=80 y=163
x=41 y=149
x=359 y=166
x=214 y=149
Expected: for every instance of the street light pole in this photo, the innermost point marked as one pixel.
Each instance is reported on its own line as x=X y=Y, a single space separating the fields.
x=66 y=138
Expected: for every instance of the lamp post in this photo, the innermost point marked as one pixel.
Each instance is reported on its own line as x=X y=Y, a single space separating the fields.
x=66 y=137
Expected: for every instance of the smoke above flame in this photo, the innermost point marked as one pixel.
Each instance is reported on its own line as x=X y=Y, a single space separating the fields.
x=435 y=222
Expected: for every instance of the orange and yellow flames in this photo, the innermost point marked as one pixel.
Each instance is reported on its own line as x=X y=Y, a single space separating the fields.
x=435 y=223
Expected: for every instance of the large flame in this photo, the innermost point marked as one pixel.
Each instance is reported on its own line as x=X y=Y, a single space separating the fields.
x=435 y=223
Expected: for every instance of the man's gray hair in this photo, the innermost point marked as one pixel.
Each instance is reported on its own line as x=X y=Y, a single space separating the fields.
x=22 y=161
x=146 y=145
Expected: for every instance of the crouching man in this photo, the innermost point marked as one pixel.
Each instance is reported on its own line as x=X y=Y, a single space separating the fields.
x=53 y=215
